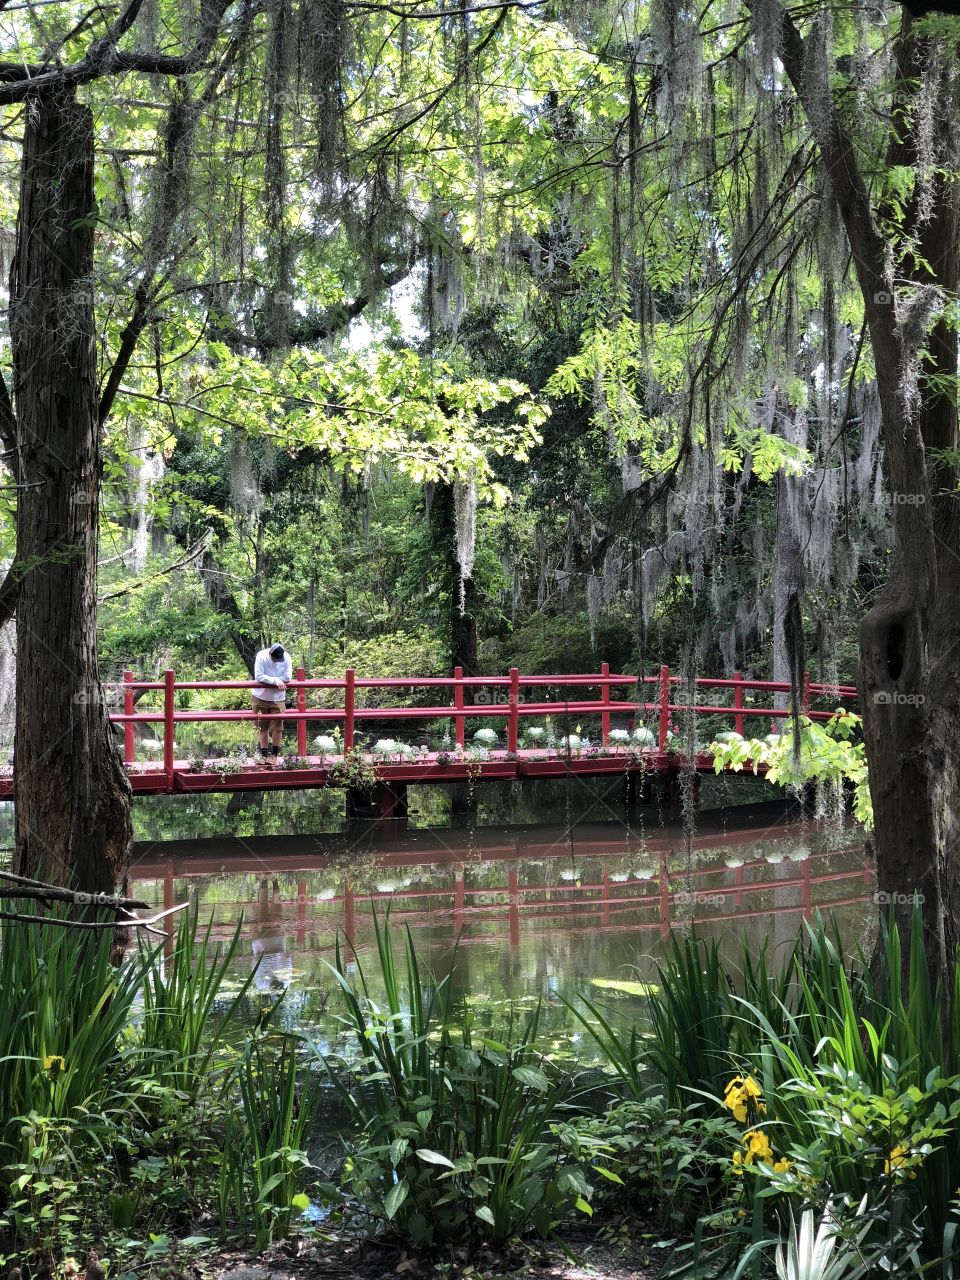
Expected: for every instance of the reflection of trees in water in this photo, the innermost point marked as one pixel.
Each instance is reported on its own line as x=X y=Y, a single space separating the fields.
x=322 y=811
x=273 y=813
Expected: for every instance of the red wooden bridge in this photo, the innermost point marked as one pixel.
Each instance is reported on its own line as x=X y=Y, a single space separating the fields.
x=354 y=704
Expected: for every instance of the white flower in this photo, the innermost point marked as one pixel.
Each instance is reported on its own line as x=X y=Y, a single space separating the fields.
x=643 y=737
x=645 y=872
x=619 y=735
x=733 y=861
x=619 y=877
x=774 y=857
x=387 y=886
x=486 y=737
x=325 y=742
x=385 y=746
x=729 y=735
x=799 y=855
x=772 y=739
x=535 y=732
x=569 y=875
x=571 y=741
x=326 y=895
x=153 y=745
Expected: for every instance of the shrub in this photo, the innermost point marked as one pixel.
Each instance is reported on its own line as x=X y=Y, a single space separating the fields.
x=670 y=1165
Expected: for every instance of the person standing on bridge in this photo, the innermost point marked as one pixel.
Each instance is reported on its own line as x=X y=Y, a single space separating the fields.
x=271 y=670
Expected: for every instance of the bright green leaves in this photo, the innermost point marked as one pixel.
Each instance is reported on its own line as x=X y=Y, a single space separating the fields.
x=613 y=367
x=359 y=407
x=828 y=753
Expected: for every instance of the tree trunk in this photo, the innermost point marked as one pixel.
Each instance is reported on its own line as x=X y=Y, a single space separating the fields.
x=910 y=641
x=909 y=675
x=462 y=624
x=72 y=797
x=788 y=575
x=909 y=680
x=242 y=633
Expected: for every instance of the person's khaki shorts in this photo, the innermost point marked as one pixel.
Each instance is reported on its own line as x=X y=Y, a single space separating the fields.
x=264 y=720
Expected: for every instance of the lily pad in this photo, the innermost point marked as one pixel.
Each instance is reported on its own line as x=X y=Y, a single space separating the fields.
x=625 y=987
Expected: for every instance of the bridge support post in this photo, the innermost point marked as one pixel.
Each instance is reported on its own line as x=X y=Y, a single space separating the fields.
x=605 y=715
x=384 y=800
x=129 y=737
x=637 y=788
x=738 y=703
x=169 y=706
x=664 y=708
x=349 y=706
x=513 y=716
x=300 y=675
x=459 y=720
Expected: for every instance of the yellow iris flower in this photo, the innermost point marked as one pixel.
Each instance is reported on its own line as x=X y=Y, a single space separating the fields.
x=897 y=1161
x=741 y=1095
x=756 y=1147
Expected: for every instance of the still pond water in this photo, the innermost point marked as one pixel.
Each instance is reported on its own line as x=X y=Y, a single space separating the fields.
x=550 y=893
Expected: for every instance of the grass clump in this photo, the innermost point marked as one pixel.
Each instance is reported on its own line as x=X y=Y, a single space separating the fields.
x=451 y=1138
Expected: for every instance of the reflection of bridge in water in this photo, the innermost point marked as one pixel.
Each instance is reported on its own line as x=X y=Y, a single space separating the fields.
x=499 y=885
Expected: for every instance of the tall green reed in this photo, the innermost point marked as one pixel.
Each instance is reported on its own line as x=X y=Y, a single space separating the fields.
x=264 y=1163
x=63 y=1010
x=187 y=1019
x=453 y=1136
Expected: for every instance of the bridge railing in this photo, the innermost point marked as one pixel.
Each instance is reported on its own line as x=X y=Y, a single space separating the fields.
x=662 y=704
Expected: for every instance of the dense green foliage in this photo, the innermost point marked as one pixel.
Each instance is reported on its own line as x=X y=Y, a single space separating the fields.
x=752 y=1099
x=364 y=235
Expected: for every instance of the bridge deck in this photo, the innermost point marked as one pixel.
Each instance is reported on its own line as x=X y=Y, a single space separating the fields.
x=151 y=778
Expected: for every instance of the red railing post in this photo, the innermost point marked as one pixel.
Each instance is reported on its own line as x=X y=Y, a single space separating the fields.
x=664 y=707
x=129 y=737
x=300 y=674
x=605 y=715
x=459 y=721
x=805 y=693
x=738 y=702
x=349 y=706
x=513 y=713
x=169 y=706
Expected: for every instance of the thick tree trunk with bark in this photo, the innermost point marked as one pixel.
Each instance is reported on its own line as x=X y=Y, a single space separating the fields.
x=910 y=641
x=72 y=796
x=910 y=681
